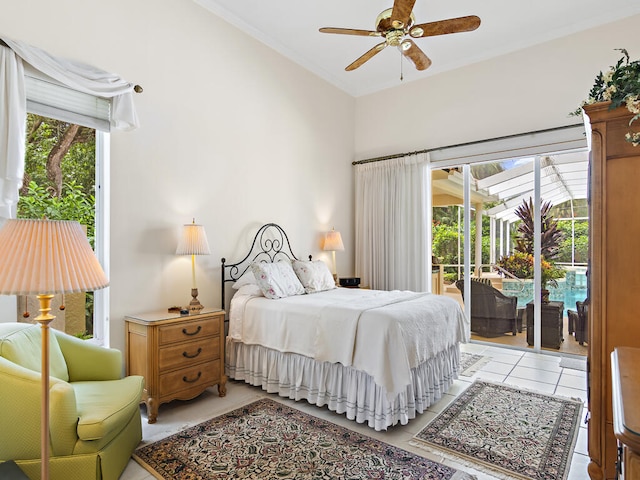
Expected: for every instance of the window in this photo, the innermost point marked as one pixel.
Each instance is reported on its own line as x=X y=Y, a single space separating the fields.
x=66 y=178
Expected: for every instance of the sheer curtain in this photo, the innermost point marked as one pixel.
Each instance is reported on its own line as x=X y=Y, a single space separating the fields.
x=392 y=221
x=77 y=76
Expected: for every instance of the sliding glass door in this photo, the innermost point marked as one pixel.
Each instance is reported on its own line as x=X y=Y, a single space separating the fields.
x=509 y=237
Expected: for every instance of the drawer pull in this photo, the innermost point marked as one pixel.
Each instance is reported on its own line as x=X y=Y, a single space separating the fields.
x=185 y=379
x=184 y=330
x=186 y=355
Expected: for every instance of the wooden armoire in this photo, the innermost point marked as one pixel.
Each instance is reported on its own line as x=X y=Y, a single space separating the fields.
x=614 y=270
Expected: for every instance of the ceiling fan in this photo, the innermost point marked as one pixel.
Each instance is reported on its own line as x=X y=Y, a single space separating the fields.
x=397 y=23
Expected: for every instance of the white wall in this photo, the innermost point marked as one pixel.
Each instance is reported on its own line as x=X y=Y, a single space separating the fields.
x=232 y=134
x=532 y=89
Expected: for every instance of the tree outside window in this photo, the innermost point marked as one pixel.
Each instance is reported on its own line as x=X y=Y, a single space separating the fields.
x=59 y=183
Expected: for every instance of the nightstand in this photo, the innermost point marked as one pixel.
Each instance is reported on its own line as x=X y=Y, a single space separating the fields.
x=179 y=355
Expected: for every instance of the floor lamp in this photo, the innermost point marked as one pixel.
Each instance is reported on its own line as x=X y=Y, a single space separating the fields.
x=45 y=257
x=193 y=242
x=333 y=242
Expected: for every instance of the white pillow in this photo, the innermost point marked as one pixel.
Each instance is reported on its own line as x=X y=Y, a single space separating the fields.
x=314 y=276
x=252 y=290
x=277 y=280
x=247 y=278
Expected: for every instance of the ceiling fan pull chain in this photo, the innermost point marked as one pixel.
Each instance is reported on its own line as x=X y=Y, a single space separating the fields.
x=401 y=65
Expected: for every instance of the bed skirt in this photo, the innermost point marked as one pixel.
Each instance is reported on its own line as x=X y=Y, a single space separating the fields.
x=342 y=389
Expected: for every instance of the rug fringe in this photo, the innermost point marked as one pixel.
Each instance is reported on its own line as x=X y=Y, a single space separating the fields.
x=147 y=467
x=467 y=463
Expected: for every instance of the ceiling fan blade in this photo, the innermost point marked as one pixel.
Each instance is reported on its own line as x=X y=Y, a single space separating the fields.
x=401 y=13
x=444 y=27
x=350 y=31
x=367 y=56
x=410 y=50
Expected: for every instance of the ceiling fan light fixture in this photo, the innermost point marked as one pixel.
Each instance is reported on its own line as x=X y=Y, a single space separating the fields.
x=399 y=28
x=416 y=32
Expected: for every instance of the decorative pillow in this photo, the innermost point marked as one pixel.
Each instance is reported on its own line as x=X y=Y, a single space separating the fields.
x=314 y=276
x=247 y=278
x=277 y=280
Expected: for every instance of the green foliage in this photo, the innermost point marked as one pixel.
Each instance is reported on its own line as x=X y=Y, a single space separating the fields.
x=73 y=205
x=519 y=264
x=445 y=243
x=581 y=241
x=621 y=86
x=78 y=165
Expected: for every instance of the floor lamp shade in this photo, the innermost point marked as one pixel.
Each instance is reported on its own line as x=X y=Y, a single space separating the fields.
x=44 y=257
x=193 y=241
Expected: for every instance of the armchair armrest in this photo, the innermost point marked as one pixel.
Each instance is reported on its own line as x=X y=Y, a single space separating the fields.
x=87 y=361
x=20 y=397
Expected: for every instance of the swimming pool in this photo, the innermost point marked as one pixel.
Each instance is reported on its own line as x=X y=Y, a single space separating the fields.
x=571 y=289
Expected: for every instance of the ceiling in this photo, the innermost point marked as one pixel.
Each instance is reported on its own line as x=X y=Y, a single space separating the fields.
x=291 y=28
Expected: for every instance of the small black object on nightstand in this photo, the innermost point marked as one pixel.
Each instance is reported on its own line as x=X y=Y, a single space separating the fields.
x=352 y=282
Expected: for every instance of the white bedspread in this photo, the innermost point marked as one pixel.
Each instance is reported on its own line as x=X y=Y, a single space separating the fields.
x=384 y=334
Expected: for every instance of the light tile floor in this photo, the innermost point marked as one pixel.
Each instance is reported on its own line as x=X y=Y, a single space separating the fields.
x=540 y=372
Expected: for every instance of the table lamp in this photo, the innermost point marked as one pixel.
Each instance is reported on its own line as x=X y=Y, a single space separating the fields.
x=193 y=242
x=333 y=242
x=45 y=257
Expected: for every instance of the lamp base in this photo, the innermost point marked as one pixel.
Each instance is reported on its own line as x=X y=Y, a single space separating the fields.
x=194 y=305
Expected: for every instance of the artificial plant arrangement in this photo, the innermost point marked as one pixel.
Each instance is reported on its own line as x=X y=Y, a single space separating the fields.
x=621 y=86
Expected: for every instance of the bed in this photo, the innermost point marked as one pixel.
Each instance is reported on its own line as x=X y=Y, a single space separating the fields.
x=378 y=357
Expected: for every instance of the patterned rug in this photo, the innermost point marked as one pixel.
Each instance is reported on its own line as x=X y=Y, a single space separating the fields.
x=267 y=439
x=470 y=363
x=519 y=433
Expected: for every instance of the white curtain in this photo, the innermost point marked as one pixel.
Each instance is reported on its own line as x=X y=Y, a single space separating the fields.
x=13 y=114
x=83 y=78
x=392 y=222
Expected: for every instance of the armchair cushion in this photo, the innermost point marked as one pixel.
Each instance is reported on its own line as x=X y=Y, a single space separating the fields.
x=102 y=409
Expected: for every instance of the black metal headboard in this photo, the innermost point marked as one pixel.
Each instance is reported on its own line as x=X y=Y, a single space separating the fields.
x=270 y=244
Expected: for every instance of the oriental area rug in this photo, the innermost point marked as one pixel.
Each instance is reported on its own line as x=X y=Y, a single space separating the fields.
x=267 y=439
x=506 y=431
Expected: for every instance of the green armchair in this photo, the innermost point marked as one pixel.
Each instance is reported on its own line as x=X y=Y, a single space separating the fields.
x=95 y=421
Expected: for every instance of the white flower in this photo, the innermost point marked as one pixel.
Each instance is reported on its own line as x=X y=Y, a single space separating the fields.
x=608 y=93
x=607 y=77
x=633 y=138
x=633 y=104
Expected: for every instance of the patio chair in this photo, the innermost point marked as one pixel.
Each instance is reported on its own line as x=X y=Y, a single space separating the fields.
x=582 y=326
x=492 y=313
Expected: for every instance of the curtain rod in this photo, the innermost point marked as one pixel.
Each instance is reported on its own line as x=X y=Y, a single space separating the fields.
x=427 y=150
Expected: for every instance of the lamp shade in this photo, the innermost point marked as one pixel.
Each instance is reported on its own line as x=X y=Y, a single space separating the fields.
x=47 y=257
x=193 y=241
x=333 y=241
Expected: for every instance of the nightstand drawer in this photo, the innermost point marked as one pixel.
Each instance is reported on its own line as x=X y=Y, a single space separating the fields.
x=188 y=330
x=190 y=377
x=188 y=353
